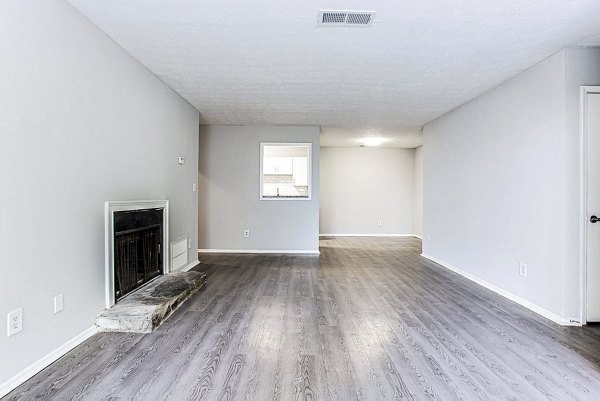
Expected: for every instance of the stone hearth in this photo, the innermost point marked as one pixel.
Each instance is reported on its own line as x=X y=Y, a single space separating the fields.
x=144 y=310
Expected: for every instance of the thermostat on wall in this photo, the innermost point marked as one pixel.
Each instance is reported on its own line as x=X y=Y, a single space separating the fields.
x=180 y=160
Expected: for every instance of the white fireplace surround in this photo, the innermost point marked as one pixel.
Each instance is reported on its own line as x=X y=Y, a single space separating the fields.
x=110 y=208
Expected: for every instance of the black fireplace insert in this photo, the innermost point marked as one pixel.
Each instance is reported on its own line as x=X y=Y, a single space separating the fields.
x=138 y=248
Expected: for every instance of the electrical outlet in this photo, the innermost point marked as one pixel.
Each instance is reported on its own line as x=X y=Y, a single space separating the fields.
x=379 y=222
x=246 y=233
x=428 y=237
x=194 y=186
x=15 y=322
x=189 y=243
x=523 y=269
x=59 y=303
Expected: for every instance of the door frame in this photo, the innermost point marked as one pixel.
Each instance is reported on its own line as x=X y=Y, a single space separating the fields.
x=583 y=140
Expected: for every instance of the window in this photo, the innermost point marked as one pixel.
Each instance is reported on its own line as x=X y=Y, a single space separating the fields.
x=285 y=170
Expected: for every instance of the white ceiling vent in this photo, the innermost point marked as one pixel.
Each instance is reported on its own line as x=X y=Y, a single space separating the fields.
x=346 y=18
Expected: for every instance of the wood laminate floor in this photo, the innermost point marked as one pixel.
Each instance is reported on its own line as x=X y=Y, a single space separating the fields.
x=367 y=320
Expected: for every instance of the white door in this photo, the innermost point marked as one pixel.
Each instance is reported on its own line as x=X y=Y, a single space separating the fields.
x=592 y=125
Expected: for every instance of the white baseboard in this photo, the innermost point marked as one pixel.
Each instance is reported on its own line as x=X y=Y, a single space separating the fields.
x=42 y=363
x=523 y=302
x=189 y=267
x=368 y=235
x=296 y=251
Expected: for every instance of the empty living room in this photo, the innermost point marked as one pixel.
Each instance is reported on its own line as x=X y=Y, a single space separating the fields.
x=300 y=200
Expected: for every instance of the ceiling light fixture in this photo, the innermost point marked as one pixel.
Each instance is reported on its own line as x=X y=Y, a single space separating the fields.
x=372 y=141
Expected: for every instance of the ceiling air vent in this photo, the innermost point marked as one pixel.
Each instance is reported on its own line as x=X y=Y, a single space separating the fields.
x=346 y=18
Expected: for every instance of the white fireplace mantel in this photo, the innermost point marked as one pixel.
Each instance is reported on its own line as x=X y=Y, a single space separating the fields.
x=110 y=208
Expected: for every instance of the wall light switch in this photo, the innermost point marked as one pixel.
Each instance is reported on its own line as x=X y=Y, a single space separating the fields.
x=59 y=303
x=15 y=322
x=194 y=186
x=180 y=160
x=189 y=243
x=523 y=269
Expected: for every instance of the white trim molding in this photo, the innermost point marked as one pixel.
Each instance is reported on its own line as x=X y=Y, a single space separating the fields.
x=523 y=302
x=368 y=235
x=110 y=208
x=281 y=251
x=44 y=362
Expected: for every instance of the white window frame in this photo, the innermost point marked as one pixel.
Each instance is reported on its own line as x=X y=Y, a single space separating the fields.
x=262 y=151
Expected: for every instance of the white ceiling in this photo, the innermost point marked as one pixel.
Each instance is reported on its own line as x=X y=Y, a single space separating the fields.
x=354 y=136
x=267 y=62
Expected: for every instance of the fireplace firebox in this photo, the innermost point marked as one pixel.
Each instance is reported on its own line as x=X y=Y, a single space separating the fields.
x=137 y=248
x=136 y=245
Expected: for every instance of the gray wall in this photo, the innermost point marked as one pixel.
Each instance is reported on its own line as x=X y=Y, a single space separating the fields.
x=360 y=186
x=81 y=122
x=501 y=183
x=418 y=191
x=229 y=176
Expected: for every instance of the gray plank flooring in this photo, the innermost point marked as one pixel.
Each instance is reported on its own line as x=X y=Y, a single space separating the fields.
x=367 y=320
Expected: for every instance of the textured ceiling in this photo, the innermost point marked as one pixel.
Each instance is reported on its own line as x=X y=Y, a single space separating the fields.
x=267 y=62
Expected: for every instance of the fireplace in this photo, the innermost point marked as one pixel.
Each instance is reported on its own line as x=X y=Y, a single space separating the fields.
x=136 y=246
